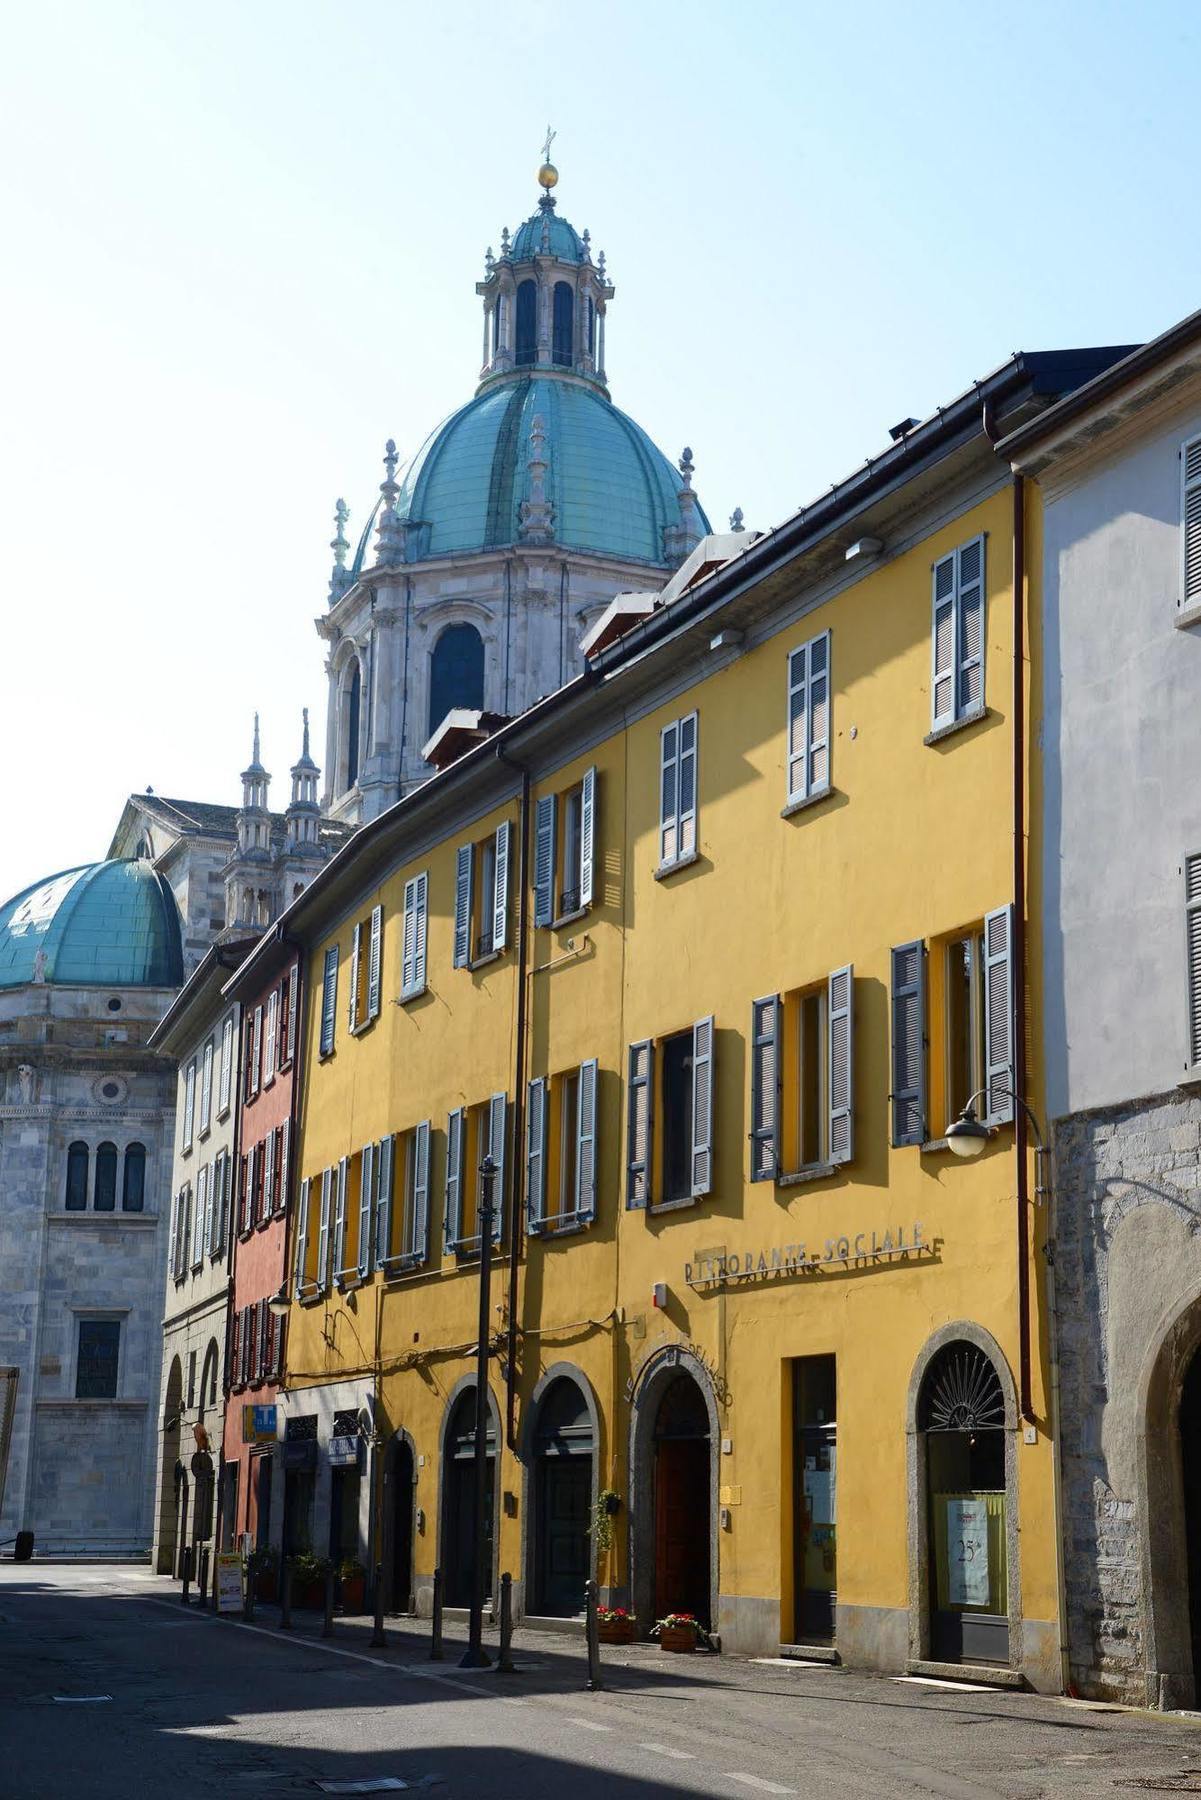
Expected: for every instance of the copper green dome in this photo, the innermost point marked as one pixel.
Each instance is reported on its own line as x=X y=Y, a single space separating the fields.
x=108 y=924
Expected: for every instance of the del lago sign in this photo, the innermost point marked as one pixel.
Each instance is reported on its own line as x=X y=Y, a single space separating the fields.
x=865 y=1250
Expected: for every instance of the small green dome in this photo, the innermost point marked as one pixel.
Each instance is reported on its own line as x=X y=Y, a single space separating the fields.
x=564 y=241
x=109 y=924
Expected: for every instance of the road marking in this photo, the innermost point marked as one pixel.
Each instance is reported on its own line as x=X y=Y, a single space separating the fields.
x=669 y=1750
x=791 y=1662
x=590 y=1725
x=756 y=1781
x=79 y=1699
x=383 y=1784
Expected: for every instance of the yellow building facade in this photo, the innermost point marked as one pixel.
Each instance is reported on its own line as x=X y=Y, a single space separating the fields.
x=764 y=1350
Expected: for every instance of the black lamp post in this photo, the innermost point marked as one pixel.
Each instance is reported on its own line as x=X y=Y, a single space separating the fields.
x=475 y=1656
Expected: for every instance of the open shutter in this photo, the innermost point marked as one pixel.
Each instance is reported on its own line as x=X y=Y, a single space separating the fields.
x=669 y=778
x=423 y=892
x=268 y=1154
x=329 y=999
x=998 y=1016
x=373 y=961
x=454 y=1178
x=908 y=1096
x=689 y=730
x=1190 y=516
x=384 y=1165
x=366 y=1208
x=293 y=1002
x=587 y=835
x=206 y=1087
x=339 y=1256
x=419 y=1225
x=702 y=1107
x=356 y=969
x=545 y=823
x=235 y=1349
x=285 y=1166
x=498 y=1123
x=970 y=571
x=809 y=719
x=765 y=1088
x=798 y=729
x=212 y=1199
x=221 y=1202
x=942 y=644
x=412 y=975
x=640 y=1086
x=302 y=1232
x=271 y=1042
x=260 y=1368
x=227 y=1057
x=464 y=870
x=172 y=1249
x=327 y=1188
x=500 y=909
x=1192 y=920
x=840 y=1083
x=585 y=1155
x=535 y=1155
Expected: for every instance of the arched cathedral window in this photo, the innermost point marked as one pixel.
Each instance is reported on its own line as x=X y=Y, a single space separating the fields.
x=354 y=700
x=133 y=1180
x=456 y=673
x=77 y=1177
x=527 y=322
x=105 y=1199
x=564 y=321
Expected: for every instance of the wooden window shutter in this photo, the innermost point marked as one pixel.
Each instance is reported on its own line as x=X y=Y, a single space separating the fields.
x=1190 y=517
x=453 y=1212
x=464 y=871
x=640 y=1087
x=535 y=1155
x=969 y=570
x=500 y=910
x=412 y=972
x=840 y=1081
x=1192 y=905
x=227 y=1057
x=942 y=644
x=423 y=891
x=585 y=1156
x=323 y=1223
x=340 y=1214
x=263 y=1318
x=189 y=1103
x=302 y=1232
x=235 y=1348
x=243 y=1193
x=374 y=960
x=383 y=1200
x=285 y=1166
x=172 y=1250
x=908 y=1097
x=765 y=1088
x=498 y=1131
x=271 y=1046
x=689 y=734
x=329 y=999
x=419 y=1224
x=998 y=1016
x=293 y=1003
x=206 y=1087
x=366 y=1208
x=587 y=835
x=809 y=719
x=356 y=970
x=545 y=822
x=669 y=802
x=269 y=1175
x=702 y=1107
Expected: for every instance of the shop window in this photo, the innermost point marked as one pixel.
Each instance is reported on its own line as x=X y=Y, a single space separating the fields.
x=133 y=1179
x=76 y=1197
x=105 y=1197
x=564 y=837
x=561 y=1150
x=962 y=1418
x=482 y=897
x=669 y=1158
x=814 y=1450
x=97 y=1359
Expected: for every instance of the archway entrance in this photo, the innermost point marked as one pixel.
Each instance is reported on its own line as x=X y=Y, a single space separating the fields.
x=683 y=1525
x=400 y=1524
x=961 y=1419
x=458 y=1500
x=168 y=1530
x=1190 y=1463
x=563 y=1453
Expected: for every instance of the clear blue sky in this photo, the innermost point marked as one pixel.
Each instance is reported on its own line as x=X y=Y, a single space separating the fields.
x=242 y=243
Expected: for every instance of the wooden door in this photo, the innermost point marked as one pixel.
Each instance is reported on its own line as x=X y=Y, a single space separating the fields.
x=566 y=1490
x=682 y=1527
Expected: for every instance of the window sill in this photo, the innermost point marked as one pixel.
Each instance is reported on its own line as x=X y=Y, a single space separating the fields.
x=268 y=1081
x=310 y=1296
x=364 y=1025
x=672 y=868
x=89 y=1216
x=481 y=962
x=347 y=1280
x=569 y=918
x=408 y=994
x=563 y=1226
x=1188 y=615
x=285 y=1065
x=186 y=1150
x=327 y=1055
x=960 y=724
x=393 y=1267
x=1191 y=1077
x=223 y=1113
x=809 y=800
x=814 y=1172
x=666 y=1206
x=204 y=1133
x=934 y=1146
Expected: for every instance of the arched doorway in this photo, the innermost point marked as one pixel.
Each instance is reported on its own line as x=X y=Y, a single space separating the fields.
x=168 y=1523
x=682 y=1515
x=399 y=1479
x=564 y=1451
x=458 y=1498
x=965 y=1455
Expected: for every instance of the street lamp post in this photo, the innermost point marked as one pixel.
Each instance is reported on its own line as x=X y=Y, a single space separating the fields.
x=475 y=1656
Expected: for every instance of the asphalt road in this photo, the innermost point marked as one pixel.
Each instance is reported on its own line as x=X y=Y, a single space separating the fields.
x=196 y=1706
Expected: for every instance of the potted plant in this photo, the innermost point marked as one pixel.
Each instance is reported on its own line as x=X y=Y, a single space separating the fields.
x=615 y=1625
x=352 y=1577
x=308 y=1579
x=677 y=1632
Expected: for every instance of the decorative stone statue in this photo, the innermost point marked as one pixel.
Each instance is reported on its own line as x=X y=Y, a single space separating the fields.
x=39 y=969
x=27 y=1081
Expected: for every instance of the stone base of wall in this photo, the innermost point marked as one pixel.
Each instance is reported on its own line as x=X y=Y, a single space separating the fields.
x=873 y=1637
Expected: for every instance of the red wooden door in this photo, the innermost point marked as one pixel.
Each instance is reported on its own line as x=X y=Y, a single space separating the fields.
x=682 y=1527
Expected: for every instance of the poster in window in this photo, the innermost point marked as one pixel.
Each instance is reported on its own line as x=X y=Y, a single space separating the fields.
x=967 y=1553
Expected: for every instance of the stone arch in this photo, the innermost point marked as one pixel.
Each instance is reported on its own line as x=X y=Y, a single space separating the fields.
x=169 y=1465
x=349 y=713
x=1168 y=1654
x=655 y=1377
x=560 y=1371
x=447 y=1479
x=960 y=1331
x=207 y=1396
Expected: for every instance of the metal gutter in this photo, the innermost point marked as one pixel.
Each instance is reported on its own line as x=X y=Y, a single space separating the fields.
x=1139 y=361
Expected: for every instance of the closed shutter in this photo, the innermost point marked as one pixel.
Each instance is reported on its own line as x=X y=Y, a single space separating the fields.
x=998 y=1016
x=293 y=1003
x=339 y=1251
x=412 y=974
x=1192 y=904
x=669 y=779
x=271 y=1047
x=256 y=1052
x=464 y=870
x=243 y=1193
x=453 y=1211
x=366 y=1208
x=640 y=1086
x=765 y=1088
x=809 y=719
x=587 y=835
x=419 y=1224
x=356 y=969
x=329 y=999
x=227 y=1057
x=281 y=1332
x=1190 y=514
x=689 y=732
x=970 y=596
x=500 y=910
x=840 y=1085
x=264 y=1360
x=942 y=644
x=269 y=1175
x=498 y=1124
x=327 y=1188
x=535 y=1155
x=908 y=1097
x=374 y=959
x=702 y=1107
x=214 y=1203
x=221 y=1202
x=383 y=1200
x=302 y=1232
x=189 y=1103
x=545 y=826
x=172 y=1255
x=235 y=1349
x=248 y=1325
x=206 y=1087
x=585 y=1155
x=285 y=1166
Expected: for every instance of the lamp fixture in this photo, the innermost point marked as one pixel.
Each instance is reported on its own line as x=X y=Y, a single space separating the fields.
x=967 y=1136
x=279 y=1303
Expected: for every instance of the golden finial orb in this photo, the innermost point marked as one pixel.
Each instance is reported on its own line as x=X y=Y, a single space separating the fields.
x=548 y=175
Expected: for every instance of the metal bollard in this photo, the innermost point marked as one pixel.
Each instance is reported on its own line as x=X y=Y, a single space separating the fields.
x=378 y=1640
x=504 y=1661
x=187 y=1576
x=592 y=1635
x=436 y=1653
x=251 y=1577
x=202 y=1584
x=327 y=1623
x=285 y=1596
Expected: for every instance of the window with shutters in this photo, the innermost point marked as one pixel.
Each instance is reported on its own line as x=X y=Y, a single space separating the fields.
x=564 y=846
x=226 y=1070
x=206 y=1089
x=802 y=1080
x=474 y=1133
x=271 y=1038
x=482 y=898
x=1190 y=522
x=315 y=1220
x=957 y=637
x=252 y=1037
x=350 y=1213
x=288 y=999
x=189 y=1104
x=366 y=963
x=219 y=1202
x=415 y=929
x=329 y=1001
x=952 y=1030
x=1192 y=926
x=669 y=1122
x=678 y=792
x=403 y=1200
x=200 y=1219
x=561 y=1140
x=809 y=721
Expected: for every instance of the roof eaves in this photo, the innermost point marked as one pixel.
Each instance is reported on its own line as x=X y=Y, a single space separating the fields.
x=1136 y=362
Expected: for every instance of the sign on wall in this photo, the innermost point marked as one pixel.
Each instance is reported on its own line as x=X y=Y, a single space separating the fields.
x=229 y=1581
x=259 y=1425
x=344 y=1452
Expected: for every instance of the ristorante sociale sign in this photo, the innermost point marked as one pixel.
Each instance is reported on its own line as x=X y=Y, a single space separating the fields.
x=863 y=1250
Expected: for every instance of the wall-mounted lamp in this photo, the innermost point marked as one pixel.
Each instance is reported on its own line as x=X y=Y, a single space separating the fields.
x=864 y=547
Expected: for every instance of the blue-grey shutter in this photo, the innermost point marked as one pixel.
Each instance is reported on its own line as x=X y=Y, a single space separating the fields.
x=765 y=1088
x=545 y=823
x=942 y=644
x=840 y=1076
x=969 y=559
x=385 y=1163
x=689 y=734
x=809 y=718
x=423 y=913
x=908 y=1097
x=585 y=1154
x=640 y=1108
x=172 y=1258
x=669 y=794
x=1192 y=923
x=452 y=1221
x=327 y=1188
x=374 y=960
x=498 y=1121
x=356 y=966
x=464 y=870
x=412 y=974
x=329 y=999
x=587 y=835
x=535 y=1155
x=1190 y=521
x=302 y=1232
x=998 y=1016
x=702 y=1107
x=339 y=1248
x=419 y=1228
x=500 y=909
x=366 y=1208
x=293 y=1002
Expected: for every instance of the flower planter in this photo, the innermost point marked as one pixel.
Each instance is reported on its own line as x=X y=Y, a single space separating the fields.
x=354 y=1588
x=678 y=1638
x=309 y=1596
x=615 y=1631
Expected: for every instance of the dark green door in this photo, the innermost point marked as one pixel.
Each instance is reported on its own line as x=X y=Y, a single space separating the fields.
x=566 y=1489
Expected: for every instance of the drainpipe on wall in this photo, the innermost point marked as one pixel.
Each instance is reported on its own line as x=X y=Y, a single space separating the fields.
x=515 y=1185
